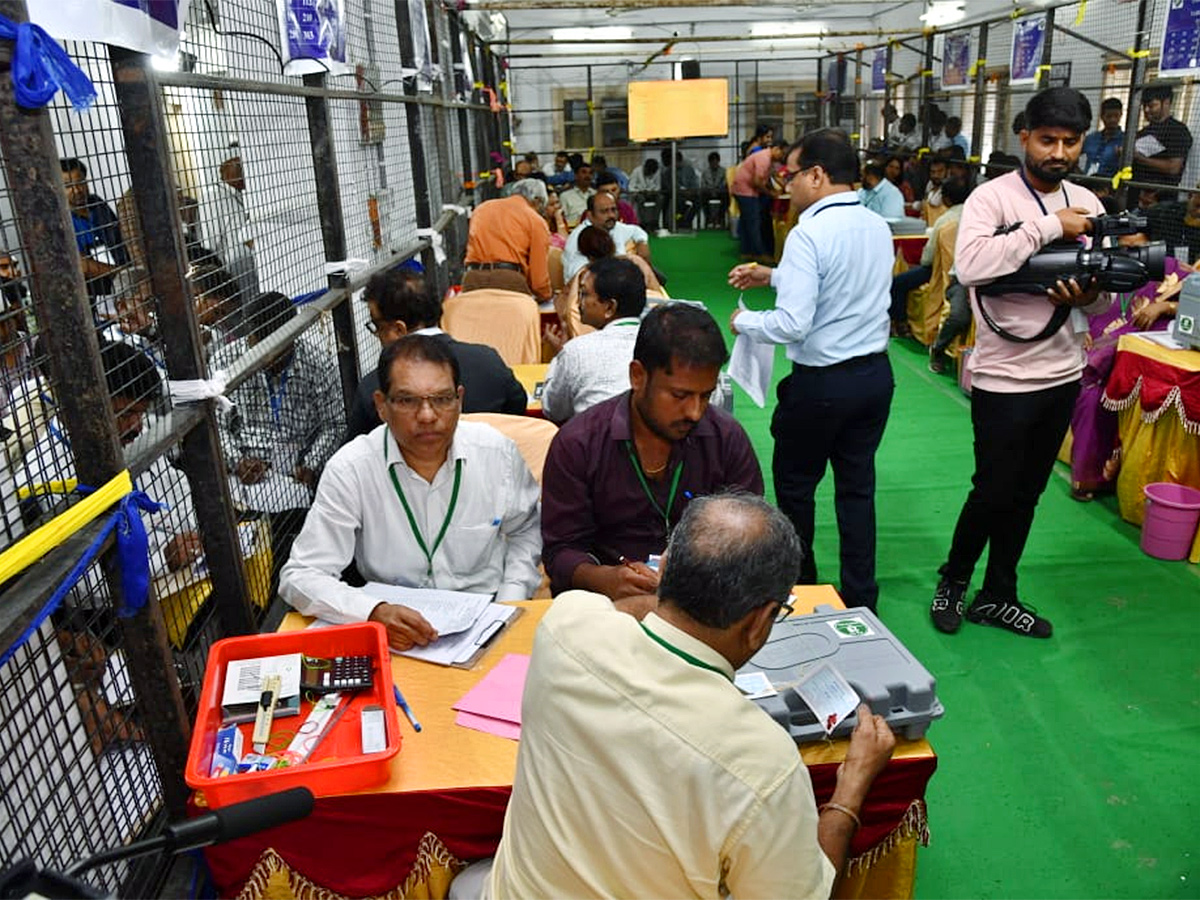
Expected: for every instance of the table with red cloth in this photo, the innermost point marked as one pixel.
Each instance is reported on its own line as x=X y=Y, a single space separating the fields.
x=450 y=785
x=910 y=246
x=1156 y=392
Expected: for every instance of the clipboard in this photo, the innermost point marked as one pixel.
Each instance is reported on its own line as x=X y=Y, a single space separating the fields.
x=463 y=651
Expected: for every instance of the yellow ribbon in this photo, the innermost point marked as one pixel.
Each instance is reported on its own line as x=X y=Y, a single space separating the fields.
x=591 y=107
x=507 y=144
x=1046 y=68
x=1082 y=10
x=925 y=73
x=921 y=151
x=47 y=487
x=1137 y=54
x=1124 y=175
x=479 y=85
x=855 y=136
x=974 y=159
x=34 y=546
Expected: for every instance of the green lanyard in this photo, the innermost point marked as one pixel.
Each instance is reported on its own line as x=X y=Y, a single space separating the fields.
x=684 y=655
x=637 y=468
x=412 y=522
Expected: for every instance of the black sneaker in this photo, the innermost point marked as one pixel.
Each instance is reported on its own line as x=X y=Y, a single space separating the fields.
x=1010 y=613
x=946 y=611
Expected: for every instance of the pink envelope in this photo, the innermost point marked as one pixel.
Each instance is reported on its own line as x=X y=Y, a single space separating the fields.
x=497 y=696
x=498 y=727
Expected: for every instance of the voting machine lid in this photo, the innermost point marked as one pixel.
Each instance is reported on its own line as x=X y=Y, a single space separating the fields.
x=879 y=668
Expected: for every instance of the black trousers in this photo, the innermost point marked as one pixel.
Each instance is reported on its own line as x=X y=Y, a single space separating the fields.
x=834 y=415
x=1017 y=437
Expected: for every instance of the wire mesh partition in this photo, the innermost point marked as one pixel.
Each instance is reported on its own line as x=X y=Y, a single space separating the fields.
x=211 y=222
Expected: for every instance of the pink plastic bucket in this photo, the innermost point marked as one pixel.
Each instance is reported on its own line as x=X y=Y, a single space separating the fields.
x=1172 y=514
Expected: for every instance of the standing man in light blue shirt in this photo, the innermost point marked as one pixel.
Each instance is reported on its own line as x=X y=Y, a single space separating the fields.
x=878 y=194
x=831 y=311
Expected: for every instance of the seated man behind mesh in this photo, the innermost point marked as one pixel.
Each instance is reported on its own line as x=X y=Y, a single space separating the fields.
x=135 y=386
x=400 y=302
x=286 y=422
x=594 y=367
x=642 y=771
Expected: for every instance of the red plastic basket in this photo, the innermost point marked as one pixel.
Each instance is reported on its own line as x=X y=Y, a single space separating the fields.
x=337 y=765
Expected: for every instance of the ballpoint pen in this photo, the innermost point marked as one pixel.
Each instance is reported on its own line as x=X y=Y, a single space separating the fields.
x=403 y=704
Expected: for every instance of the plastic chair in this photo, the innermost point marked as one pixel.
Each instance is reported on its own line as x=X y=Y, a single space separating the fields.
x=531 y=435
x=555 y=264
x=505 y=320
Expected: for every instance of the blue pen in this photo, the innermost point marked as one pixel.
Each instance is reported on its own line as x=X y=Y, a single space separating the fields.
x=400 y=702
x=688 y=495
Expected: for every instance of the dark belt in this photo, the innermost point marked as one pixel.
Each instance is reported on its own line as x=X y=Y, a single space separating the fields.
x=494 y=265
x=844 y=364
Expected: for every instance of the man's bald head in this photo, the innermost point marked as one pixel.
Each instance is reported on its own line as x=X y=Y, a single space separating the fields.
x=730 y=554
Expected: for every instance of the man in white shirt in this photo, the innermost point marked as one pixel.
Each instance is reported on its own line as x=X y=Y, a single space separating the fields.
x=574 y=199
x=603 y=213
x=595 y=366
x=634 y=732
x=225 y=226
x=423 y=501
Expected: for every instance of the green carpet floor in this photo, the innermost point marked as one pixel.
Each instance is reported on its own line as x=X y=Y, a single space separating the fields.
x=1067 y=767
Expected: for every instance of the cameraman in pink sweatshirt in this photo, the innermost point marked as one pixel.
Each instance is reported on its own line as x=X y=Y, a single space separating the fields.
x=1023 y=391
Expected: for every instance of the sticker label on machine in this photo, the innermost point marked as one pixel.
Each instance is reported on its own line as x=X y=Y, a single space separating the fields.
x=850 y=627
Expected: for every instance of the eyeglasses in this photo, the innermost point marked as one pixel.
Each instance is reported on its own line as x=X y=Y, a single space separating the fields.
x=411 y=403
x=785 y=610
x=789 y=174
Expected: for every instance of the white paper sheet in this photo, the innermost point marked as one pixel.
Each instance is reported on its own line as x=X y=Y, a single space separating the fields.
x=459 y=648
x=750 y=365
x=449 y=612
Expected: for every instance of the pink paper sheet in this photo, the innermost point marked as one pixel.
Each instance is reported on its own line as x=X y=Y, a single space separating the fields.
x=498 y=727
x=497 y=696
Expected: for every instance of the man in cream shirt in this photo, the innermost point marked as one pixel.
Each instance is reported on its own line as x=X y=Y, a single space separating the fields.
x=642 y=770
x=423 y=501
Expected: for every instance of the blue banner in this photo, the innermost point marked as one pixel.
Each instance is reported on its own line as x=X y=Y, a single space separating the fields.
x=1029 y=37
x=148 y=26
x=314 y=33
x=1181 y=38
x=956 y=61
x=879 y=70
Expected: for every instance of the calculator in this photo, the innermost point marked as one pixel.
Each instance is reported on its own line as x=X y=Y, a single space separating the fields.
x=321 y=675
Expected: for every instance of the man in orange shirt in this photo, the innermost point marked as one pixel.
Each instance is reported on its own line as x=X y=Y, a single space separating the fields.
x=508 y=244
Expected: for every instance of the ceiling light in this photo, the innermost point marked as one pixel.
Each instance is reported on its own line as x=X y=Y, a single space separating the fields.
x=787 y=29
x=943 y=12
x=597 y=33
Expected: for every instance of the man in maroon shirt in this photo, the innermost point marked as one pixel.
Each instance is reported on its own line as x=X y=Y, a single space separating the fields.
x=618 y=476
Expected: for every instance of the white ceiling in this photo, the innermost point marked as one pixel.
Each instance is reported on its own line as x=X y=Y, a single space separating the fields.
x=829 y=26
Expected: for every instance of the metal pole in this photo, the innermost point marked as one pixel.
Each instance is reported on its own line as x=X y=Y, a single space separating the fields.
x=1047 y=51
x=416 y=146
x=155 y=195
x=1133 y=110
x=926 y=89
x=820 y=91
x=977 y=122
x=333 y=231
x=887 y=75
x=674 y=186
x=858 y=99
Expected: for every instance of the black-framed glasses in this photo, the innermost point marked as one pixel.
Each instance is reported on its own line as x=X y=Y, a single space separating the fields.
x=785 y=609
x=789 y=174
x=412 y=403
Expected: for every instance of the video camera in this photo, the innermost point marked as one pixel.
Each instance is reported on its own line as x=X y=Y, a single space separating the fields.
x=1118 y=269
